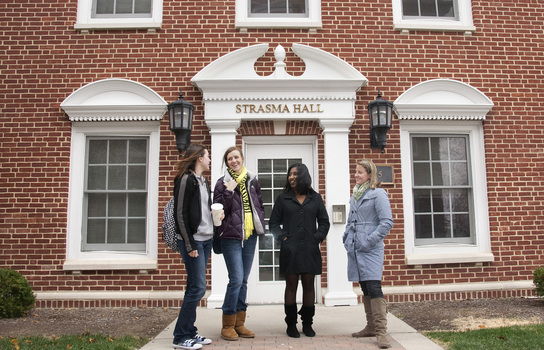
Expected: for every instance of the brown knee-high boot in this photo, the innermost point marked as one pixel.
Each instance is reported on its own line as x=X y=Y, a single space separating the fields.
x=240 y=328
x=369 y=330
x=379 y=313
x=227 y=331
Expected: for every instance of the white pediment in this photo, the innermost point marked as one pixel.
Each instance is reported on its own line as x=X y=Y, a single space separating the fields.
x=442 y=99
x=114 y=100
x=233 y=75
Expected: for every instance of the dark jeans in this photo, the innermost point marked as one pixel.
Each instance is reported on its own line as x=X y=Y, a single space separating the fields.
x=372 y=288
x=195 y=290
x=238 y=259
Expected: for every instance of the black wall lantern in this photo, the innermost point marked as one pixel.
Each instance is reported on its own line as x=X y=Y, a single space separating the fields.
x=181 y=122
x=380 y=112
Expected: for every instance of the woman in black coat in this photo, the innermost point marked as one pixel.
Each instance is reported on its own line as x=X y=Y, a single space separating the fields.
x=300 y=222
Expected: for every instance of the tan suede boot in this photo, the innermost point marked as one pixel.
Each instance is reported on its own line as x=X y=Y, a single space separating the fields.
x=227 y=331
x=379 y=312
x=369 y=330
x=240 y=328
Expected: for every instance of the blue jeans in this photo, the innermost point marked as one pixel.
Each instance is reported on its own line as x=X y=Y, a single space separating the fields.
x=195 y=290
x=238 y=260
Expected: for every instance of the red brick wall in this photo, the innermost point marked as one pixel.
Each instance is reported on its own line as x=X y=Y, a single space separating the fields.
x=43 y=60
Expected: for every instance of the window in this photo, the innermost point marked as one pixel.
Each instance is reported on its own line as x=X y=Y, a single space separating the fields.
x=115 y=197
x=114 y=160
x=444 y=15
x=441 y=189
x=121 y=8
x=278 y=13
x=118 y=14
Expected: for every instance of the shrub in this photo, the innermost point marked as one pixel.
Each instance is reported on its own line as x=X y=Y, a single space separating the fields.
x=538 y=280
x=16 y=295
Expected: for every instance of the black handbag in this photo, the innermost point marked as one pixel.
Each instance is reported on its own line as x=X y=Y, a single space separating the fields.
x=217 y=245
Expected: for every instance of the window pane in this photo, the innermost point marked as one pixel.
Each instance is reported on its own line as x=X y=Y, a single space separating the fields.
x=297 y=6
x=422 y=201
x=266 y=273
x=458 y=148
x=96 y=205
x=117 y=203
x=265 y=242
x=137 y=204
x=459 y=200
x=136 y=231
x=278 y=6
x=264 y=165
x=428 y=7
x=423 y=226
x=280 y=166
x=265 y=181
x=137 y=151
x=116 y=231
x=442 y=226
x=98 y=151
x=142 y=6
x=441 y=201
x=118 y=152
x=137 y=177
x=259 y=6
x=267 y=210
x=439 y=148
x=459 y=174
x=96 y=178
x=266 y=258
x=445 y=8
x=461 y=225
x=410 y=8
x=123 y=6
x=96 y=231
x=420 y=148
x=104 y=6
x=117 y=178
x=422 y=174
x=280 y=179
x=441 y=174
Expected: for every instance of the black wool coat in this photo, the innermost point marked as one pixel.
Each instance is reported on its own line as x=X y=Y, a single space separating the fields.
x=300 y=228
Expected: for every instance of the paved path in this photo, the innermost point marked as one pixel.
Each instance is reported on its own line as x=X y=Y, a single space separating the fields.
x=333 y=326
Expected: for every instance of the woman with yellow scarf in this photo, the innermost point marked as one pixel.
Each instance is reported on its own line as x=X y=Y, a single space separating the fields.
x=240 y=193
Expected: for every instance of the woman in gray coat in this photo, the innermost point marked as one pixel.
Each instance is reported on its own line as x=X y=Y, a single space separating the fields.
x=369 y=221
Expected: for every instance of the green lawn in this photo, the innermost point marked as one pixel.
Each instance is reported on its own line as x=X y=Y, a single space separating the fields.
x=505 y=338
x=73 y=342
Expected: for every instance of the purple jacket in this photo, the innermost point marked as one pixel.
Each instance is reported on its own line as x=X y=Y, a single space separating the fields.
x=233 y=223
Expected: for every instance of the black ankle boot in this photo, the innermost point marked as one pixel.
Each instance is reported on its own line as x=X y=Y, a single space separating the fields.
x=307 y=315
x=291 y=320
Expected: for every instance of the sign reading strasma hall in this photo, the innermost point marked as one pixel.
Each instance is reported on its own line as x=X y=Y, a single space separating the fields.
x=278 y=108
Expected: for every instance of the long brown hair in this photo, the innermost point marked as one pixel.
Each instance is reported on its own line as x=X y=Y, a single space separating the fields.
x=193 y=152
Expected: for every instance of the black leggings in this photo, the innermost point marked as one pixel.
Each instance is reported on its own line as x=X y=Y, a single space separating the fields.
x=308 y=290
x=372 y=288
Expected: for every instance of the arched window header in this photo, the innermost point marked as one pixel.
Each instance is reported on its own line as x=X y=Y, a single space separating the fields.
x=442 y=99
x=114 y=100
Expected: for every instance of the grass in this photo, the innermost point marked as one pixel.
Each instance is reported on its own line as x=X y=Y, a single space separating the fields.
x=504 y=338
x=73 y=342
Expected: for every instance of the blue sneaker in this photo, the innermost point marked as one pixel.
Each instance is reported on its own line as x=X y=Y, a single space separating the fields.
x=189 y=344
x=202 y=340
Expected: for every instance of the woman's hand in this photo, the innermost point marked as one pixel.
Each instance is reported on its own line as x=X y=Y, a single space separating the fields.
x=231 y=185
x=193 y=253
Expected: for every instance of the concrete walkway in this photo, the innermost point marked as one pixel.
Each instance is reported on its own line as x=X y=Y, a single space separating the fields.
x=333 y=326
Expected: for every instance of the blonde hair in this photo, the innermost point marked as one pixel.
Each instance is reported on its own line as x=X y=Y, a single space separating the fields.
x=370 y=168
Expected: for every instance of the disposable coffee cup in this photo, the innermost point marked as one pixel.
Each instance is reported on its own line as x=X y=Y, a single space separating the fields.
x=217 y=211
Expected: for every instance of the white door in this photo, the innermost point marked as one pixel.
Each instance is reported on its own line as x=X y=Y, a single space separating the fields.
x=270 y=158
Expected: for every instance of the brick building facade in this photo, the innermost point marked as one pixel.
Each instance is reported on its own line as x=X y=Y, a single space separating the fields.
x=465 y=150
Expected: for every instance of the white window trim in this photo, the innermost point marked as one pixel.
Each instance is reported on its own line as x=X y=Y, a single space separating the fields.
x=478 y=252
x=463 y=24
x=243 y=20
x=100 y=260
x=86 y=22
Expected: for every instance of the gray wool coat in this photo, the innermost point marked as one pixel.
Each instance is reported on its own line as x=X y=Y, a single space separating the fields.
x=369 y=221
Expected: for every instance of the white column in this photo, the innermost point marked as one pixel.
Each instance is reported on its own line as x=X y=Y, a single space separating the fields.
x=223 y=135
x=337 y=192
